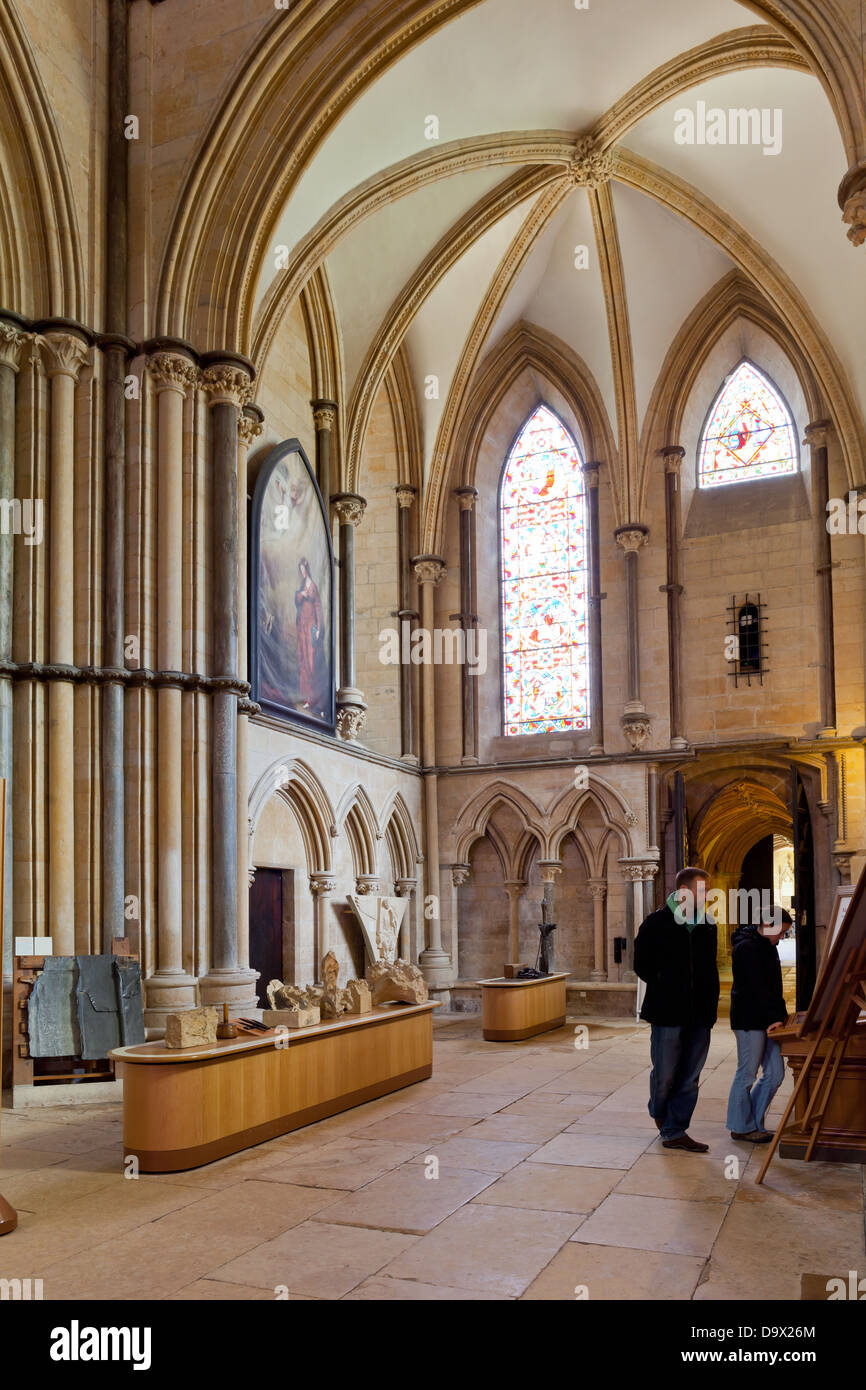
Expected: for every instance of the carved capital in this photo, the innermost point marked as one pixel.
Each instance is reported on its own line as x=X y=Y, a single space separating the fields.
x=673 y=457
x=843 y=864
x=428 y=569
x=322 y=884
x=249 y=428
x=324 y=414
x=637 y=729
x=459 y=874
x=227 y=383
x=64 y=354
x=366 y=883
x=815 y=434
x=631 y=538
x=590 y=166
x=550 y=869
x=12 y=341
x=351 y=720
x=405 y=495
x=854 y=215
x=171 y=371
x=404 y=886
x=349 y=508
x=590 y=474
x=466 y=497
x=597 y=888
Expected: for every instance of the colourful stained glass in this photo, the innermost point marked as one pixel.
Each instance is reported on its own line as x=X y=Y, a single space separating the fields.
x=750 y=433
x=544 y=576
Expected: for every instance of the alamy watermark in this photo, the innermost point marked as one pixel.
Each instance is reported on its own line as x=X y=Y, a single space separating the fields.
x=25 y=518
x=739 y=125
x=744 y=906
x=444 y=646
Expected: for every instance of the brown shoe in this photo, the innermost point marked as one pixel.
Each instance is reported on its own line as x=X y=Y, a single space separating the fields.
x=691 y=1146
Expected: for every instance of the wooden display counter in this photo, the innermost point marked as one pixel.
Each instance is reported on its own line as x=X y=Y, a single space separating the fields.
x=185 y=1108
x=514 y=1009
x=843 y=1133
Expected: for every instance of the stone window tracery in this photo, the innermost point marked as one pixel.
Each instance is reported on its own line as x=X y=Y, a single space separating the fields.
x=749 y=432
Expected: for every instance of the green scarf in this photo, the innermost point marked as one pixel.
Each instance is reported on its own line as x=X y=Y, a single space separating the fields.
x=679 y=916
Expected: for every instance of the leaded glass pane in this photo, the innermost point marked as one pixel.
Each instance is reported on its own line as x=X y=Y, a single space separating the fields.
x=749 y=434
x=544 y=602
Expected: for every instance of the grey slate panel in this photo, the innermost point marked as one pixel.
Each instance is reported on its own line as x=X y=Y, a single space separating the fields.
x=129 y=998
x=98 y=1015
x=52 y=1017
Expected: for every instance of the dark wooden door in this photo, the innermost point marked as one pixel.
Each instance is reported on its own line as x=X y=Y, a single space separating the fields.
x=266 y=929
x=804 y=891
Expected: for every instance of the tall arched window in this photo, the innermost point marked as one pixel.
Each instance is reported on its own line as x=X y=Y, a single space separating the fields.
x=543 y=548
x=749 y=432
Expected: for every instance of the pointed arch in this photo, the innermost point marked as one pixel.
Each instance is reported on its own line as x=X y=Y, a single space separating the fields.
x=617 y=816
x=357 y=816
x=296 y=784
x=473 y=820
x=400 y=837
x=749 y=431
x=543 y=554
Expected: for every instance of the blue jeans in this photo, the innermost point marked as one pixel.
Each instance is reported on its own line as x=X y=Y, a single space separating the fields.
x=678 y=1055
x=750 y=1099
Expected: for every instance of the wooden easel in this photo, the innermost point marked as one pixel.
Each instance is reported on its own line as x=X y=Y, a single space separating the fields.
x=8 y=1215
x=833 y=1014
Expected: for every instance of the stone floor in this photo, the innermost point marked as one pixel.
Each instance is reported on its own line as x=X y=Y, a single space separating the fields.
x=551 y=1180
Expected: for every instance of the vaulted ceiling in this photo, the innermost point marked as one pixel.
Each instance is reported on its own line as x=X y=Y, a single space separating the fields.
x=443 y=244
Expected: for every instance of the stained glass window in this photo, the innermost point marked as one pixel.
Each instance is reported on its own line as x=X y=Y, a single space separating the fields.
x=544 y=578
x=749 y=433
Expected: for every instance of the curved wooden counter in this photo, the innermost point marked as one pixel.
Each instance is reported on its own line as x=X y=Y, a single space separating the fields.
x=183 y=1108
x=515 y=1009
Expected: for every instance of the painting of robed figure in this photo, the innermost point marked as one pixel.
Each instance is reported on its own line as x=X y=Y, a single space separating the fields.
x=291 y=591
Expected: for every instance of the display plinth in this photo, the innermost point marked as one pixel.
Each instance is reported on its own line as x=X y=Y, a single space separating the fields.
x=185 y=1108
x=515 y=1009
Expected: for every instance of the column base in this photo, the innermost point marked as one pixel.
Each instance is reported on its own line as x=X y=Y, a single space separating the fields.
x=435 y=966
x=596 y=750
x=680 y=744
x=236 y=987
x=827 y=733
x=598 y=976
x=410 y=758
x=629 y=977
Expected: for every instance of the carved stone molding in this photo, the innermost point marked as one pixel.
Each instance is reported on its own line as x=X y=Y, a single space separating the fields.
x=428 y=569
x=64 y=354
x=590 y=166
x=120 y=675
x=349 y=508
x=11 y=344
x=171 y=371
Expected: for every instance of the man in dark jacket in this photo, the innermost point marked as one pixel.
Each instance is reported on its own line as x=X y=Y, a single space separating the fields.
x=675 y=954
x=757 y=1002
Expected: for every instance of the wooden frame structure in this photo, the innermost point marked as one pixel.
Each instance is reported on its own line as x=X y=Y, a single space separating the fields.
x=826 y=1027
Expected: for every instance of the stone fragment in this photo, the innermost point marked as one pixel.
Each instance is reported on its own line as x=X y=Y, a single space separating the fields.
x=291 y=1018
x=192 y=1028
x=333 y=1003
x=282 y=996
x=358 y=997
x=399 y=981
x=330 y=971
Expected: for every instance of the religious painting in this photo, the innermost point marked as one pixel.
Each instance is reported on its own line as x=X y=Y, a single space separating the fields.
x=291 y=592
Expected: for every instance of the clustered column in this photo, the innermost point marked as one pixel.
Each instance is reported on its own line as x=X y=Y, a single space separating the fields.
x=673 y=457
x=635 y=723
x=249 y=428
x=468 y=617
x=226 y=378
x=11 y=343
x=816 y=438
x=171 y=986
x=406 y=616
x=64 y=355
x=598 y=892
x=434 y=961
x=351 y=706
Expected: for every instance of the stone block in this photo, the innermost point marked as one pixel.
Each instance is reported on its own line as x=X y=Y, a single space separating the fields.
x=192 y=1028
x=358 y=997
x=291 y=1018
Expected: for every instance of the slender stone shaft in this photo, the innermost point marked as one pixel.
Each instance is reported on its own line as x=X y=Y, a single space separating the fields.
x=405 y=617
x=351 y=708
x=11 y=344
x=325 y=421
x=816 y=438
x=596 y=682
x=673 y=457
x=466 y=496
x=598 y=890
x=434 y=961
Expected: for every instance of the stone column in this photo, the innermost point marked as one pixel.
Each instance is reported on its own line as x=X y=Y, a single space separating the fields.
x=632 y=872
x=459 y=875
x=515 y=888
x=249 y=428
x=406 y=616
x=351 y=707
x=11 y=343
x=405 y=888
x=366 y=883
x=594 y=598
x=816 y=438
x=673 y=457
x=598 y=891
x=321 y=885
x=65 y=354
x=468 y=618
x=635 y=722
x=226 y=378
x=649 y=873
x=435 y=963
x=325 y=420
x=171 y=986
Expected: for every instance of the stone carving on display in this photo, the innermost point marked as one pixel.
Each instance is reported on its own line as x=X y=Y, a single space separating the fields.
x=397 y=982
x=192 y=1028
x=299 y=1006
x=380 y=920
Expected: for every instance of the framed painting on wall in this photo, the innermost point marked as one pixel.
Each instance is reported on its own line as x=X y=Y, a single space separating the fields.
x=291 y=592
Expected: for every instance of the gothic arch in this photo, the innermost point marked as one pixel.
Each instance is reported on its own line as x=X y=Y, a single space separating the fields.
x=296 y=784
x=473 y=821
x=400 y=837
x=356 y=815
x=565 y=812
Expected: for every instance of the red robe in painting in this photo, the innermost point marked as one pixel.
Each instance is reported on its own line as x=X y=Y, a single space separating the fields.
x=308 y=609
